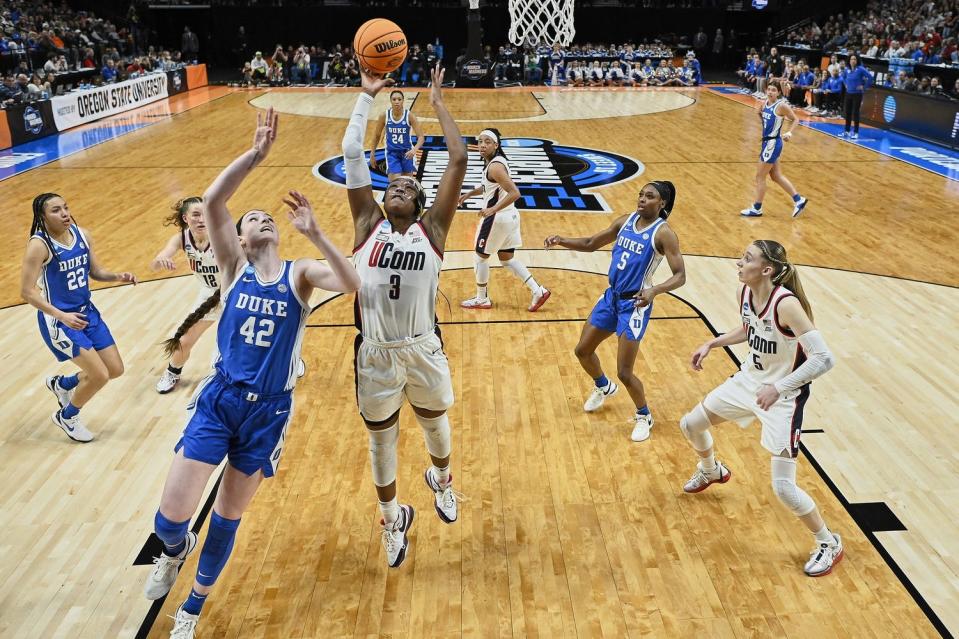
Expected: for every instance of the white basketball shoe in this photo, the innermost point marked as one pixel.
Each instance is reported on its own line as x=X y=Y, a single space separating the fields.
x=73 y=427
x=824 y=558
x=475 y=303
x=184 y=624
x=598 y=395
x=701 y=480
x=167 y=382
x=63 y=395
x=166 y=568
x=445 y=497
x=395 y=538
x=644 y=424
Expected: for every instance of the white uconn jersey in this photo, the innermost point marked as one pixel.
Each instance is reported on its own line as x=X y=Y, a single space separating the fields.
x=774 y=351
x=399 y=275
x=202 y=262
x=492 y=191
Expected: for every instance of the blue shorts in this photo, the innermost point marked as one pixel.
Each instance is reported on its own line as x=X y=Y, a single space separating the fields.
x=771 y=150
x=65 y=343
x=620 y=316
x=397 y=162
x=222 y=422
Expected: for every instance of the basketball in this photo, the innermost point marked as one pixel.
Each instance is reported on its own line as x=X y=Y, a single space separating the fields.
x=380 y=45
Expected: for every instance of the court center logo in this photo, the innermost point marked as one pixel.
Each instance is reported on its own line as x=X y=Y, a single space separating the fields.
x=550 y=177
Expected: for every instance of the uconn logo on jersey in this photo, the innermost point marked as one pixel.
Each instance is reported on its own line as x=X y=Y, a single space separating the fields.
x=760 y=344
x=261 y=305
x=550 y=177
x=198 y=267
x=384 y=256
x=74 y=262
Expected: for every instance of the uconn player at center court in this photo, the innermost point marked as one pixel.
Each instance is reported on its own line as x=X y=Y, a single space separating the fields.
x=499 y=229
x=57 y=266
x=242 y=410
x=399 y=254
x=642 y=239
x=786 y=353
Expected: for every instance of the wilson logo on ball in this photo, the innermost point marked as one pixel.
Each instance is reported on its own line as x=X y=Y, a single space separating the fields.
x=381 y=47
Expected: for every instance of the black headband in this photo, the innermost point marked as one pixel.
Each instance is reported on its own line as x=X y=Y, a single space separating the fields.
x=667 y=192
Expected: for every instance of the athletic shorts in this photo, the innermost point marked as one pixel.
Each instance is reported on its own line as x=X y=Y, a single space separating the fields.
x=385 y=373
x=735 y=400
x=771 y=150
x=66 y=343
x=397 y=162
x=226 y=421
x=498 y=232
x=621 y=316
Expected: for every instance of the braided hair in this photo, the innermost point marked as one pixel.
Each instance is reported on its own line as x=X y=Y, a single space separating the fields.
x=175 y=218
x=172 y=345
x=784 y=273
x=39 y=224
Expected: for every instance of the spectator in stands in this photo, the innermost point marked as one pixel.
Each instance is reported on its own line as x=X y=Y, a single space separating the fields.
x=189 y=45
x=300 y=73
x=258 y=67
x=718 y=47
x=533 y=72
x=955 y=90
x=936 y=88
x=109 y=72
x=10 y=93
x=696 y=67
x=775 y=65
x=276 y=72
x=88 y=61
x=574 y=74
x=614 y=75
x=856 y=81
x=596 y=77
x=37 y=85
x=925 y=86
x=502 y=65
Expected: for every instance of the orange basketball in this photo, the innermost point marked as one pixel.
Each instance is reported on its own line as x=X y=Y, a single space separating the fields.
x=380 y=45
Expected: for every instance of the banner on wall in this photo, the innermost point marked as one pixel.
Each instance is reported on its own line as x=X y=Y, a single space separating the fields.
x=196 y=76
x=28 y=122
x=176 y=81
x=86 y=106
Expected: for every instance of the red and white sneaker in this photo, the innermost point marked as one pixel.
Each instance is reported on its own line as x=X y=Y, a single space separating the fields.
x=482 y=303
x=701 y=480
x=539 y=298
x=824 y=558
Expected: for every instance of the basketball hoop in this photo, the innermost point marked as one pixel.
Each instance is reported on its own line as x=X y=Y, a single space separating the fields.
x=532 y=20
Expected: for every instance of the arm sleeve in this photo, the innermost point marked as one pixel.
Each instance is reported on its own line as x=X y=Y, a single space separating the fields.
x=354 y=161
x=818 y=360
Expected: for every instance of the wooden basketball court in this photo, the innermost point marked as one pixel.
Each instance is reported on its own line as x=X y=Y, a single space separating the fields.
x=568 y=528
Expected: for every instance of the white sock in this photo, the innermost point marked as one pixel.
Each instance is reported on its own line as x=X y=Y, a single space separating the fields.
x=519 y=269
x=823 y=536
x=481 y=291
x=708 y=463
x=481 y=266
x=441 y=475
x=390 y=510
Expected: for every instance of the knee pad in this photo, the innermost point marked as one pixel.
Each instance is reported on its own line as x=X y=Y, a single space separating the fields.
x=383 y=454
x=436 y=432
x=695 y=426
x=481 y=264
x=784 y=485
x=171 y=533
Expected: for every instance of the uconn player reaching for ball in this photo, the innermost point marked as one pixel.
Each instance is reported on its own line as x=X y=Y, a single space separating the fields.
x=57 y=266
x=399 y=255
x=774 y=112
x=499 y=230
x=786 y=353
x=193 y=241
x=642 y=238
x=242 y=410
x=399 y=125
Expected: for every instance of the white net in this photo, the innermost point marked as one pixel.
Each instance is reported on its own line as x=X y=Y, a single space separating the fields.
x=532 y=20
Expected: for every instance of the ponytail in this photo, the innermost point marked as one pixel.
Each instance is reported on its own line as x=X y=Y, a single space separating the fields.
x=785 y=273
x=172 y=345
x=179 y=210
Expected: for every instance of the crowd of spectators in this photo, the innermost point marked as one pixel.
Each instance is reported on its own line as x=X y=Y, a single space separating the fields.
x=41 y=44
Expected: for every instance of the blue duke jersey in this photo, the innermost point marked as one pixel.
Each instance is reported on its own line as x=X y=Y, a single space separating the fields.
x=261 y=332
x=635 y=257
x=398 y=135
x=64 y=279
x=772 y=123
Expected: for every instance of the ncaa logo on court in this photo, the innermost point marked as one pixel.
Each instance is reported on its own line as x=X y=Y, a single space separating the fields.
x=550 y=177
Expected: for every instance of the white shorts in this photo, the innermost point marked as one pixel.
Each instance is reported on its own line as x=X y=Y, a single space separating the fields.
x=735 y=400
x=202 y=295
x=498 y=232
x=417 y=368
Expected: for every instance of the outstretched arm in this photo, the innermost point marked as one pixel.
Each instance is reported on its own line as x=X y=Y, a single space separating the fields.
x=588 y=244
x=338 y=273
x=220 y=227
x=164 y=259
x=447 y=193
x=359 y=187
